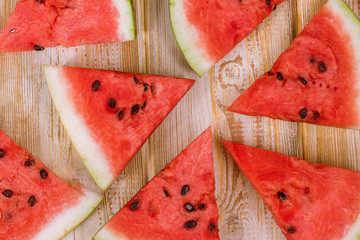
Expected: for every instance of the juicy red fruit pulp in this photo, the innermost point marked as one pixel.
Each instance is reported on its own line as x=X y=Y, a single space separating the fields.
x=27 y=189
x=223 y=24
x=314 y=81
x=178 y=203
x=35 y=24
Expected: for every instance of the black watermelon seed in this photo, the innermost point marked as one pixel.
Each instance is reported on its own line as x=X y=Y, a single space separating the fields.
x=38 y=48
x=143 y=106
x=190 y=224
x=7 y=193
x=316 y=115
x=281 y=195
x=43 y=174
x=303 y=113
x=202 y=206
x=166 y=193
x=268 y=2
x=135 y=109
x=136 y=80
x=279 y=76
x=185 y=189
x=8 y=216
x=30 y=163
x=146 y=86
x=121 y=114
x=312 y=60
x=322 y=67
x=96 y=85
x=40 y=1
x=112 y=103
x=275 y=7
x=32 y=201
x=12 y=31
x=211 y=227
x=188 y=207
x=291 y=229
x=134 y=205
x=2 y=153
x=303 y=80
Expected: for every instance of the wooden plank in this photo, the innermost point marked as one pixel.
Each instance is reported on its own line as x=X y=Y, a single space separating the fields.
x=243 y=215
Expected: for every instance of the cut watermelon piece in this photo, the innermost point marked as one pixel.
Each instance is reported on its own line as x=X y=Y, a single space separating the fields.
x=317 y=80
x=207 y=30
x=109 y=115
x=35 y=203
x=36 y=24
x=308 y=201
x=178 y=203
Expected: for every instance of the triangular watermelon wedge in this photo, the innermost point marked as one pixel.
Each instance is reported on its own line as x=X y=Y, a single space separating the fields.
x=35 y=203
x=308 y=201
x=109 y=115
x=37 y=24
x=178 y=203
x=207 y=30
x=317 y=80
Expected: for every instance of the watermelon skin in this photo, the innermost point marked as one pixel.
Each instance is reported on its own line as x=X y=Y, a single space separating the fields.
x=58 y=207
x=106 y=143
x=321 y=202
x=67 y=23
x=205 y=40
x=163 y=217
x=332 y=97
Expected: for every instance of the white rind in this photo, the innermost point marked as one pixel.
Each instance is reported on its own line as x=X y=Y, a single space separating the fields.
x=352 y=27
x=76 y=128
x=188 y=39
x=354 y=233
x=106 y=234
x=126 y=30
x=70 y=218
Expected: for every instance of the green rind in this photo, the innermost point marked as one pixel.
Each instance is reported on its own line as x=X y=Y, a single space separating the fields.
x=85 y=217
x=347 y=11
x=58 y=93
x=131 y=26
x=193 y=55
x=87 y=197
x=354 y=232
x=352 y=27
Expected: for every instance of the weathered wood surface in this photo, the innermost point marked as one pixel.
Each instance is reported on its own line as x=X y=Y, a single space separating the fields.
x=28 y=115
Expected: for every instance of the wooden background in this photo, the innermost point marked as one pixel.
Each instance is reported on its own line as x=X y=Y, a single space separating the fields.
x=29 y=117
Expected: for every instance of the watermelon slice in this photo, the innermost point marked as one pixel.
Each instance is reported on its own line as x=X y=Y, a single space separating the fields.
x=317 y=80
x=109 y=115
x=35 y=203
x=207 y=30
x=308 y=201
x=178 y=203
x=36 y=24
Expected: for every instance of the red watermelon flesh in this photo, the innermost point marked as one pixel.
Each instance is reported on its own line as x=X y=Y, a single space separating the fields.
x=34 y=202
x=36 y=24
x=178 y=203
x=308 y=201
x=207 y=30
x=109 y=115
x=317 y=80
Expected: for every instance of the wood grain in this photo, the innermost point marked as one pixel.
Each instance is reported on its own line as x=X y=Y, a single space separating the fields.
x=29 y=117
